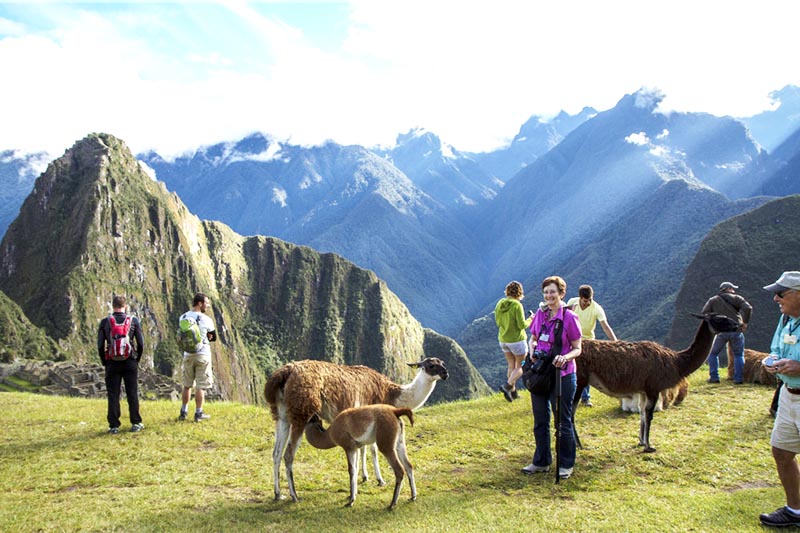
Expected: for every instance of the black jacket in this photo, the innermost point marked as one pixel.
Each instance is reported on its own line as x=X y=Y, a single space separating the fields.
x=135 y=335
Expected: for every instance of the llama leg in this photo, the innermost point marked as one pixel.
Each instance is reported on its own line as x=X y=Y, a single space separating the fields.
x=376 y=467
x=362 y=462
x=402 y=453
x=394 y=462
x=281 y=436
x=352 y=468
x=295 y=434
x=647 y=418
x=642 y=417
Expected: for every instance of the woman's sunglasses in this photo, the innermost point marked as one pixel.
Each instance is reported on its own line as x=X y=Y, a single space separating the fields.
x=780 y=294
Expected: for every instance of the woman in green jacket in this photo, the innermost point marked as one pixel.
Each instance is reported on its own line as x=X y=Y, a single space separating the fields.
x=509 y=316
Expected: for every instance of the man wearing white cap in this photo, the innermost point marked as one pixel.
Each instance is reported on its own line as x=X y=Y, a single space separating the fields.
x=738 y=310
x=784 y=361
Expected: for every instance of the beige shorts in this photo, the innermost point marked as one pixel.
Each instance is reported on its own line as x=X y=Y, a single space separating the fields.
x=197 y=368
x=786 y=431
x=517 y=348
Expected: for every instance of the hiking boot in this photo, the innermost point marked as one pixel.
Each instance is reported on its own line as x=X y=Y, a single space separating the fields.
x=182 y=416
x=113 y=431
x=533 y=469
x=712 y=380
x=505 y=388
x=781 y=517
x=515 y=394
x=587 y=403
x=564 y=473
x=137 y=427
x=199 y=417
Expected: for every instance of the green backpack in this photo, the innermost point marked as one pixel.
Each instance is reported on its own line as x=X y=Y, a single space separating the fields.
x=190 y=340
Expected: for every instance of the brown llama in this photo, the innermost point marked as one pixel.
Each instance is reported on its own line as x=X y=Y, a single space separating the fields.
x=754 y=371
x=668 y=397
x=297 y=391
x=622 y=368
x=357 y=427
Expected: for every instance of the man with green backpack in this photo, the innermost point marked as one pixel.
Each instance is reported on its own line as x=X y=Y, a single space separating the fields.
x=195 y=331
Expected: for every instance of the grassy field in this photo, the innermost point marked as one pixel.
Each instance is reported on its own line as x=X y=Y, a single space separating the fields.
x=713 y=471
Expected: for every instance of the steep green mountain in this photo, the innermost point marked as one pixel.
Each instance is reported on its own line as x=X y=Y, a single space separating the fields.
x=750 y=250
x=96 y=225
x=19 y=339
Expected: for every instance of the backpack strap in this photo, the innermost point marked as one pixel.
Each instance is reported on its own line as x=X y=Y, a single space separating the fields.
x=558 y=342
x=727 y=301
x=107 y=329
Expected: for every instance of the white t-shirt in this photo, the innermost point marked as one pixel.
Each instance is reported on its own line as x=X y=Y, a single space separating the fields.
x=206 y=325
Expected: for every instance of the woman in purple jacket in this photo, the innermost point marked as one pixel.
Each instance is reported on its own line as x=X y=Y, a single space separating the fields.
x=544 y=324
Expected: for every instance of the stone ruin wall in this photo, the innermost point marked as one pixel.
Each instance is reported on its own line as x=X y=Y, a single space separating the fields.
x=85 y=380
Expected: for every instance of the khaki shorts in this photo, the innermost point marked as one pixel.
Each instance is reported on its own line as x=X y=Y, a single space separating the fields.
x=197 y=367
x=786 y=431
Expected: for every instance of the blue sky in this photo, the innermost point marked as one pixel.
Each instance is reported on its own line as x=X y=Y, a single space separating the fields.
x=173 y=76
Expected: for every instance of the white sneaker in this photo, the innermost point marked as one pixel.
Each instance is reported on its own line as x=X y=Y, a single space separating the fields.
x=533 y=469
x=564 y=473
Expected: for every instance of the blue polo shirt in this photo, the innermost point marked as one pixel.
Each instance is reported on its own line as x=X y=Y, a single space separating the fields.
x=781 y=350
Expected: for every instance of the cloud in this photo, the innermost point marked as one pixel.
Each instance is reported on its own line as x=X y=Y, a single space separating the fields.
x=11 y=28
x=639 y=139
x=172 y=77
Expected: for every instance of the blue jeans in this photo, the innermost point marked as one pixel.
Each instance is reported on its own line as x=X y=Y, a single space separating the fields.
x=541 y=424
x=737 y=345
x=585 y=394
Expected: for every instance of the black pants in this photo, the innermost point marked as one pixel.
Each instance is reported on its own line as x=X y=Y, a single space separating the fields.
x=116 y=372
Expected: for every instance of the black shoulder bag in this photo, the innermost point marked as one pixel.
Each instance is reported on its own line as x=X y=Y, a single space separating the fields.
x=538 y=371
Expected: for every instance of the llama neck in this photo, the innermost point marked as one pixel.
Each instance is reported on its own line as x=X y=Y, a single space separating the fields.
x=696 y=354
x=318 y=438
x=414 y=394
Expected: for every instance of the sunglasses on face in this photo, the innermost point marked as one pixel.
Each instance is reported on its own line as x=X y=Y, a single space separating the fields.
x=780 y=294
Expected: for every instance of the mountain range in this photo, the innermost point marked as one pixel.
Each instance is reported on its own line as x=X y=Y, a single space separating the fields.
x=620 y=199
x=96 y=225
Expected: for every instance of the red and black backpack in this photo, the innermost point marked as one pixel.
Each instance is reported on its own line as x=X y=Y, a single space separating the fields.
x=119 y=343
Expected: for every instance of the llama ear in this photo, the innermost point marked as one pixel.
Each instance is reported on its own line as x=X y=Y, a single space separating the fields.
x=415 y=365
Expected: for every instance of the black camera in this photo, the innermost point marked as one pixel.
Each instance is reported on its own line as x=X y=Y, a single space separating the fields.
x=541 y=360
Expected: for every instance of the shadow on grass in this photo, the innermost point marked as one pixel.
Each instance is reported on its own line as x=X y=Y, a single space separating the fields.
x=58 y=441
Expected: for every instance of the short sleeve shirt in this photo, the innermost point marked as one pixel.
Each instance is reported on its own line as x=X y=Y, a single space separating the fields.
x=588 y=317
x=570 y=332
x=780 y=349
x=206 y=324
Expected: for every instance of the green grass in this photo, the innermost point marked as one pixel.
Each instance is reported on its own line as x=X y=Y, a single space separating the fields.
x=713 y=471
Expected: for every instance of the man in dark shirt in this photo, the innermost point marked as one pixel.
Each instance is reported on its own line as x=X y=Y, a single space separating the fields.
x=735 y=307
x=121 y=363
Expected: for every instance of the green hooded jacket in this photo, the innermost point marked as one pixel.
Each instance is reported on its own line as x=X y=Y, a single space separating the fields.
x=510 y=319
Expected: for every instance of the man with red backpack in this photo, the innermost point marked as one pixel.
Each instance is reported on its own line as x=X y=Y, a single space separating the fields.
x=115 y=345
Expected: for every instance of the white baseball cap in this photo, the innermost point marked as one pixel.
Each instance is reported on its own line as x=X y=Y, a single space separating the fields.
x=788 y=280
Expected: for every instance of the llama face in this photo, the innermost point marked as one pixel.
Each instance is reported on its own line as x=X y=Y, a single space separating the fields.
x=433 y=366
